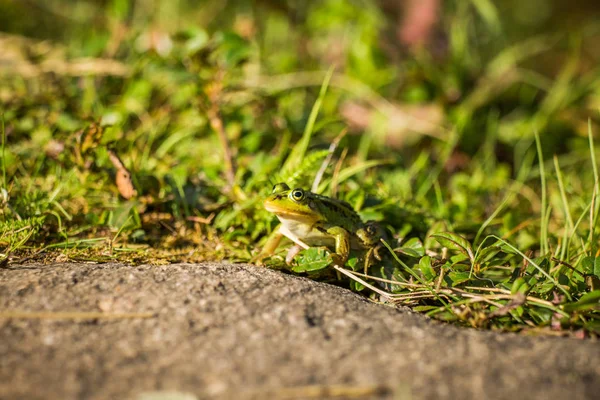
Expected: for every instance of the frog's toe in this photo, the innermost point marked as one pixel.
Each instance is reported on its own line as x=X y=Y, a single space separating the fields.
x=376 y=253
x=292 y=252
x=338 y=260
x=258 y=260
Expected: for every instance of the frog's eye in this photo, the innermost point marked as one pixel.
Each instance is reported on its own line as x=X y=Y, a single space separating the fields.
x=297 y=194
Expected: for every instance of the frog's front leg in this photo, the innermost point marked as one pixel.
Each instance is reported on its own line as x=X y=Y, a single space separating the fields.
x=274 y=240
x=292 y=252
x=370 y=235
x=342 y=245
x=269 y=247
x=292 y=236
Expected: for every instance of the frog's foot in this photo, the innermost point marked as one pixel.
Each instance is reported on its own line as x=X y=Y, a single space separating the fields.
x=292 y=252
x=376 y=252
x=258 y=259
x=338 y=260
x=372 y=253
x=368 y=257
x=269 y=249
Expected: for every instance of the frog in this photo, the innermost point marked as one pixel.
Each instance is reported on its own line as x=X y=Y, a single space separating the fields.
x=309 y=219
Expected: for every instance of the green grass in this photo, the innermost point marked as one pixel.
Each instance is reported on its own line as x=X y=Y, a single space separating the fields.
x=132 y=138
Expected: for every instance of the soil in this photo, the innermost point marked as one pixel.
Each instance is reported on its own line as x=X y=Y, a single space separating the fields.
x=218 y=330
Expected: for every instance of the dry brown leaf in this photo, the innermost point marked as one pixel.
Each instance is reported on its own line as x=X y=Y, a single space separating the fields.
x=124 y=184
x=123 y=177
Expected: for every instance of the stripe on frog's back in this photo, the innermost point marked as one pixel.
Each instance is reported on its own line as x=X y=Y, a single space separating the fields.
x=340 y=207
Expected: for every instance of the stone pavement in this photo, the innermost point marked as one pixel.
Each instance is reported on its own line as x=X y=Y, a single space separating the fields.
x=218 y=330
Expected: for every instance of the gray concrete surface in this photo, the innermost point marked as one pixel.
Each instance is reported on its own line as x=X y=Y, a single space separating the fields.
x=238 y=331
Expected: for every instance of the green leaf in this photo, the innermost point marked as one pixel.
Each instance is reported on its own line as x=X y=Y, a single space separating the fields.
x=545 y=287
x=312 y=259
x=517 y=284
x=197 y=41
x=459 y=277
x=563 y=279
x=591 y=265
x=446 y=316
x=455 y=242
x=589 y=300
x=593 y=326
x=426 y=269
x=413 y=248
x=233 y=49
x=424 y=308
x=356 y=286
x=489 y=251
x=352 y=263
x=508 y=249
x=458 y=259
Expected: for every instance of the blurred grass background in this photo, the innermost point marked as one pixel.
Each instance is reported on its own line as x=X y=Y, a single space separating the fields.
x=115 y=113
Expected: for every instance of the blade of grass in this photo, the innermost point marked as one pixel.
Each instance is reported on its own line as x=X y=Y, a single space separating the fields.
x=543 y=219
x=67 y=244
x=489 y=13
x=567 y=212
x=121 y=228
x=300 y=148
x=595 y=204
x=579 y=220
x=3 y=153
x=334 y=144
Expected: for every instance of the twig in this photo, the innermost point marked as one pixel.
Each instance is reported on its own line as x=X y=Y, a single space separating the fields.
x=406 y=284
x=202 y=220
x=487 y=298
x=530 y=299
x=486 y=289
x=566 y=264
x=440 y=279
x=216 y=122
x=362 y=282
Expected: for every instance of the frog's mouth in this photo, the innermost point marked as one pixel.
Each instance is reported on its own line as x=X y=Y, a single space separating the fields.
x=286 y=213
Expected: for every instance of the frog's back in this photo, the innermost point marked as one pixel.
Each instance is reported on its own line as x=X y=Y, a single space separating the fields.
x=336 y=213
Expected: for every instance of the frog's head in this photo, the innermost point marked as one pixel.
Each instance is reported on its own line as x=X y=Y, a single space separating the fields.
x=291 y=204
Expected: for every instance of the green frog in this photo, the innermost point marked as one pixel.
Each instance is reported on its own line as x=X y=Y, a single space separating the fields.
x=309 y=219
